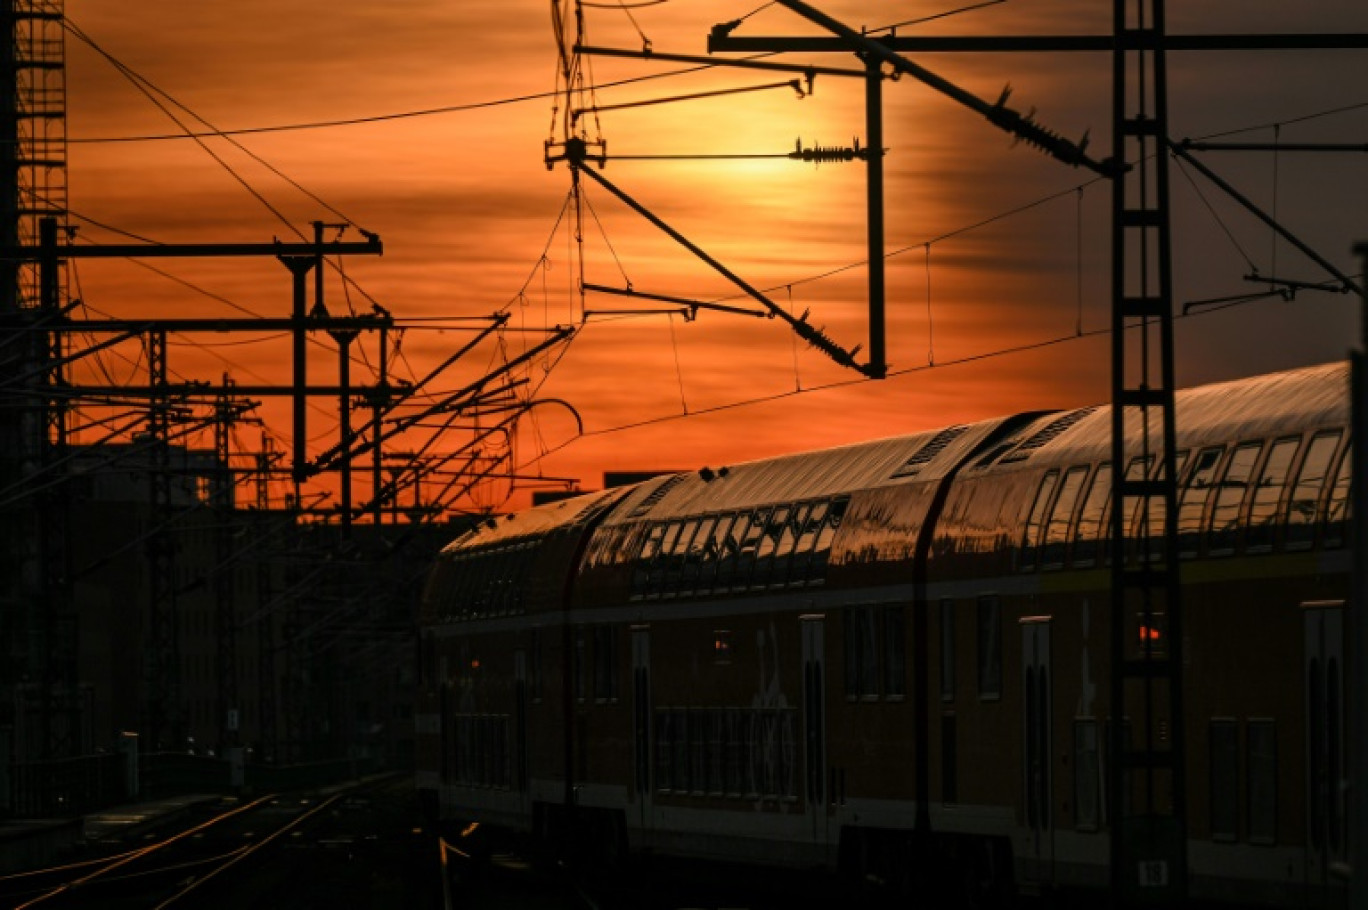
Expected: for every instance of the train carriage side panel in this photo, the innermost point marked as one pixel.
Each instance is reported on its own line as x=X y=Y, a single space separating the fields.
x=1254 y=546
x=491 y=639
x=720 y=573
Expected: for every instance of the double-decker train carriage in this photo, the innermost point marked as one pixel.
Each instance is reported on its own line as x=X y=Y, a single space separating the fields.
x=892 y=659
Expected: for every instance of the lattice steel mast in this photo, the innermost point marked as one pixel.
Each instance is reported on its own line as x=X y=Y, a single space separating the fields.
x=1147 y=782
x=38 y=698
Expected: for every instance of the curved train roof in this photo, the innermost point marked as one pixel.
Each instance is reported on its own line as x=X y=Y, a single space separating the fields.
x=1239 y=408
x=1220 y=412
x=536 y=522
x=804 y=476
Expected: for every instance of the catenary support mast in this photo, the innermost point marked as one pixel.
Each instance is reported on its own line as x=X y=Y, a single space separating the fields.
x=1147 y=781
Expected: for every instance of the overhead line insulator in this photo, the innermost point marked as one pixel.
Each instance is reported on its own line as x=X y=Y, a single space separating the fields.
x=820 y=153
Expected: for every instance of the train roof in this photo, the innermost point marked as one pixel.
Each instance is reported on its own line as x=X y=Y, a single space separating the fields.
x=1254 y=407
x=918 y=457
x=536 y=522
x=1242 y=408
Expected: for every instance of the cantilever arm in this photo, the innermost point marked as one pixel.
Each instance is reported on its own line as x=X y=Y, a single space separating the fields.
x=805 y=330
x=1001 y=116
x=1180 y=151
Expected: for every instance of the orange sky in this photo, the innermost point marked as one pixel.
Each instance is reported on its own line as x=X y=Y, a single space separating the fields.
x=465 y=207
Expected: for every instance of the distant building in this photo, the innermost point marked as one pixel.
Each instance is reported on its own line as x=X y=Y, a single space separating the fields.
x=611 y=479
x=625 y=478
x=292 y=639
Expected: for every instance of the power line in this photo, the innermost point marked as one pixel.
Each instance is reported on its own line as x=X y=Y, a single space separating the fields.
x=906 y=371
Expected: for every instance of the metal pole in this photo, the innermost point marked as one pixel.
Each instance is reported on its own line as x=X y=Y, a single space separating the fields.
x=344 y=415
x=378 y=404
x=875 y=189
x=299 y=268
x=1358 y=619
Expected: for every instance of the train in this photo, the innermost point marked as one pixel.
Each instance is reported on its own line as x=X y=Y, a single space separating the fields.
x=890 y=660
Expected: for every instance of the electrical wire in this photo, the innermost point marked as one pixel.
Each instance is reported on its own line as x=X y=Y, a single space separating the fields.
x=151 y=92
x=906 y=371
x=932 y=18
x=1344 y=109
x=551 y=95
x=1182 y=169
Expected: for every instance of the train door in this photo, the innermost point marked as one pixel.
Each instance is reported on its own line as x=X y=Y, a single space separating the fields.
x=1323 y=623
x=641 y=723
x=1037 y=739
x=814 y=724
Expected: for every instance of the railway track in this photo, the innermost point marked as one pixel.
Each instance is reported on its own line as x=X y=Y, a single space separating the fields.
x=353 y=847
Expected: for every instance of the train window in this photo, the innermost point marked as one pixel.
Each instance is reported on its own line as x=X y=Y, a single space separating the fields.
x=861 y=669
x=800 y=566
x=1156 y=517
x=673 y=574
x=488 y=585
x=599 y=551
x=947 y=649
x=620 y=544
x=1193 y=500
x=1261 y=758
x=487 y=582
x=1087 y=774
x=515 y=568
x=784 y=553
x=732 y=529
x=1230 y=496
x=1224 y=740
x=1138 y=469
x=680 y=745
x=605 y=664
x=1337 y=509
x=733 y=783
x=657 y=569
x=1030 y=540
x=949 y=760
x=717 y=751
x=698 y=757
x=722 y=647
x=1057 y=528
x=734 y=571
x=1305 y=498
x=664 y=750
x=895 y=653
x=989 y=647
x=767 y=546
x=822 y=554
x=650 y=544
x=1092 y=518
x=748 y=547
x=712 y=553
x=696 y=554
x=578 y=663
x=1268 y=493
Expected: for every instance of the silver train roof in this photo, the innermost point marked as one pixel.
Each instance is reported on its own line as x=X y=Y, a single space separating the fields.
x=1251 y=408
x=1242 y=408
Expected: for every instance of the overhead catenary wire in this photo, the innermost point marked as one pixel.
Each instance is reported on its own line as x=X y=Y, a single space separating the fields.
x=151 y=92
x=922 y=20
x=1025 y=347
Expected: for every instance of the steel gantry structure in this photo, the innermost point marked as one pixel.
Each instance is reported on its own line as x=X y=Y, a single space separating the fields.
x=1147 y=784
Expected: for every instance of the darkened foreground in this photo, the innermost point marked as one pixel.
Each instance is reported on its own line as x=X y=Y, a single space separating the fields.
x=355 y=846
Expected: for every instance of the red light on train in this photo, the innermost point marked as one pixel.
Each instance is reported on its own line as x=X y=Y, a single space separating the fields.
x=722 y=646
x=1150 y=633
